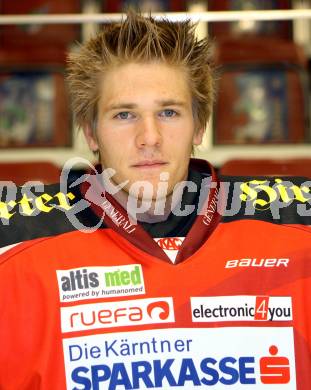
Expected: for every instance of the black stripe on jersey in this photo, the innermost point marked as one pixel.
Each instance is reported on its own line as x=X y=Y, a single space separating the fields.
x=280 y=200
x=18 y=227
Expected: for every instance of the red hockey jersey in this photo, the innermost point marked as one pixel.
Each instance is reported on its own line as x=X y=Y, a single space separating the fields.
x=95 y=311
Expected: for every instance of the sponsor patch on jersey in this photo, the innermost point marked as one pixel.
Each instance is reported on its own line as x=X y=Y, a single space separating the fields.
x=100 y=282
x=241 y=308
x=256 y=262
x=116 y=314
x=170 y=245
x=259 y=358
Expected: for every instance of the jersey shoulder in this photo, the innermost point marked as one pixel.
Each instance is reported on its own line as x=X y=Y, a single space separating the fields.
x=29 y=213
x=280 y=200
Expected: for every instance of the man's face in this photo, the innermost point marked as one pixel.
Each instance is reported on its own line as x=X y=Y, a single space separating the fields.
x=145 y=125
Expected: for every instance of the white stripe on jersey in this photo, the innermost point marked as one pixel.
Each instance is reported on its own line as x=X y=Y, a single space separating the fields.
x=6 y=248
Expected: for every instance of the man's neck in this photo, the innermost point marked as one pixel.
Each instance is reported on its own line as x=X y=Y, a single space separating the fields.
x=145 y=210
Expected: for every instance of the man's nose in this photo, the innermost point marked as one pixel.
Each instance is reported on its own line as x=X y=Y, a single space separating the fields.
x=149 y=132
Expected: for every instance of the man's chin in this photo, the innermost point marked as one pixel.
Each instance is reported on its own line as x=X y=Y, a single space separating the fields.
x=143 y=195
x=147 y=191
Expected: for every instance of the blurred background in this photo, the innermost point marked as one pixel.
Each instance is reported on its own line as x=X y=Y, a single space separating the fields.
x=261 y=119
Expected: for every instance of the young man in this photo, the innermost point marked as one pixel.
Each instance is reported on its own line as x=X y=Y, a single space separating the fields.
x=131 y=279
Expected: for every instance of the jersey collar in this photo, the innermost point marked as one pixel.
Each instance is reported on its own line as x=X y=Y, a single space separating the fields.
x=115 y=216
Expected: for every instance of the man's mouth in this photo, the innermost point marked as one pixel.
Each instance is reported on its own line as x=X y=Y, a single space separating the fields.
x=149 y=164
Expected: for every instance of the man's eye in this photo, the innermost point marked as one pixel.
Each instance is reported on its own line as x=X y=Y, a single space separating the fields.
x=168 y=113
x=124 y=115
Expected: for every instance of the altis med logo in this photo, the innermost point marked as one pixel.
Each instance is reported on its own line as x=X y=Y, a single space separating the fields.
x=100 y=282
x=259 y=358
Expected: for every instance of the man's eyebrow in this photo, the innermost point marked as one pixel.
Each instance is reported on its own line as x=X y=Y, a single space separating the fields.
x=131 y=106
x=119 y=106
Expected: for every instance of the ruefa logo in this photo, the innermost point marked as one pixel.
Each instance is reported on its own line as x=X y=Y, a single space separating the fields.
x=160 y=309
x=114 y=314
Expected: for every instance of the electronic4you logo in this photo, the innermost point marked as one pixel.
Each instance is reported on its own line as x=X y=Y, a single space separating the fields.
x=241 y=308
x=115 y=314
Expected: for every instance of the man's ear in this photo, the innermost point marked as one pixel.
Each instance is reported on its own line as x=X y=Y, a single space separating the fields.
x=198 y=136
x=90 y=137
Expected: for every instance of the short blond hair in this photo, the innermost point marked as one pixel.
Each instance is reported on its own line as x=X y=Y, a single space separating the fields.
x=140 y=39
